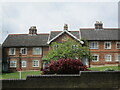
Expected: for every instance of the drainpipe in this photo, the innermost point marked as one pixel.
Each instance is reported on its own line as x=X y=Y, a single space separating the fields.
x=20 y=68
x=89 y=58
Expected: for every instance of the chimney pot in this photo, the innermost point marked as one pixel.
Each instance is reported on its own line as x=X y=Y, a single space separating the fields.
x=65 y=26
x=98 y=25
x=33 y=30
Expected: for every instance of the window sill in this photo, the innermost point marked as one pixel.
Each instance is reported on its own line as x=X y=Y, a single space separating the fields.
x=117 y=61
x=23 y=54
x=12 y=67
x=107 y=49
x=35 y=66
x=37 y=54
x=108 y=61
x=94 y=61
x=11 y=54
x=94 y=48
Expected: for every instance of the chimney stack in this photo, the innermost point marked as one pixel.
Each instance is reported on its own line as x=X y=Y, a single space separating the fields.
x=33 y=30
x=98 y=25
x=65 y=26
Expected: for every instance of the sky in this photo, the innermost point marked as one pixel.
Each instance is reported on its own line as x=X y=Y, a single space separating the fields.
x=18 y=17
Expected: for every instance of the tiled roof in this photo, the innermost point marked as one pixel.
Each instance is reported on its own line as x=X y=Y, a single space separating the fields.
x=26 y=40
x=19 y=40
x=55 y=33
x=105 y=34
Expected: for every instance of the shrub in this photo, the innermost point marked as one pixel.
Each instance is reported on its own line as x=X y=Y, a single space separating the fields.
x=65 y=66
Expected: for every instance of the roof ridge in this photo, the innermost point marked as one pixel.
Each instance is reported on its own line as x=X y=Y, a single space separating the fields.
x=62 y=31
x=43 y=33
x=18 y=34
x=28 y=34
x=103 y=28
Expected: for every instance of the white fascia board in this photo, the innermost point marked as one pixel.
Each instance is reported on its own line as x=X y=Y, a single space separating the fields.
x=67 y=33
x=55 y=37
x=75 y=37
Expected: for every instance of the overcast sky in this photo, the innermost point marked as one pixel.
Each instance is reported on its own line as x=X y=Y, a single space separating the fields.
x=18 y=17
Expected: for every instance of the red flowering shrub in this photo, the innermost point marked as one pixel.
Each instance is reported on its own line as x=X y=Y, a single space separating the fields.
x=65 y=66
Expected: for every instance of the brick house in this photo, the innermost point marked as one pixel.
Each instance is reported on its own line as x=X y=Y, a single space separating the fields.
x=28 y=49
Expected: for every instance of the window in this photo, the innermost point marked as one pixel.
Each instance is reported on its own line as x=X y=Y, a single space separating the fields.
x=117 y=45
x=117 y=57
x=11 y=51
x=24 y=63
x=37 y=51
x=13 y=63
x=55 y=46
x=107 y=45
x=23 y=51
x=74 y=46
x=95 y=57
x=35 y=63
x=107 y=57
x=93 y=45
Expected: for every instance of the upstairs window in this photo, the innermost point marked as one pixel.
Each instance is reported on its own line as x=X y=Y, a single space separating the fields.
x=11 y=51
x=93 y=45
x=107 y=45
x=95 y=57
x=13 y=63
x=37 y=51
x=108 y=57
x=23 y=51
x=117 y=45
x=117 y=57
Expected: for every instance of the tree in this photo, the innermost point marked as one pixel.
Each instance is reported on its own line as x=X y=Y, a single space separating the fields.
x=68 y=50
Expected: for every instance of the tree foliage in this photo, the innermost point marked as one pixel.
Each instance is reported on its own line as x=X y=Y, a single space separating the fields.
x=68 y=50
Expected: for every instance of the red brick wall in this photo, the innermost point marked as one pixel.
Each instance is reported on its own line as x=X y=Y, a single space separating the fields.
x=102 y=52
x=60 y=39
x=29 y=57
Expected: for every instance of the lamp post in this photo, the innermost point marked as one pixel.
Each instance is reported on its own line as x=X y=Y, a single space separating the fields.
x=20 y=68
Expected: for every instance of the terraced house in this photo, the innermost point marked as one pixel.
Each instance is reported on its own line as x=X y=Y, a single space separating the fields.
x=26 y=50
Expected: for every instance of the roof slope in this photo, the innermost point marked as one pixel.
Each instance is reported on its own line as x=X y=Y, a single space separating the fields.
x=105 y=34
x=55 y=33
x=26 y=40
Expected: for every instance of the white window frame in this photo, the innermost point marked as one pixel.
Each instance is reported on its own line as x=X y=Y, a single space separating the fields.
x=40 y=51
x=34 y=63
x=117 y=44
x=110 y=57
x=105 y=45
x=25 y=63
x=97 y=57
x=94 y=46
x=15 y=62
x=21 y=51
x=11 y=50
x=116 y=57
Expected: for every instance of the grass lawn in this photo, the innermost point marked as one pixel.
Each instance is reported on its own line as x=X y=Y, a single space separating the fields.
x=25 y=73
x=104 y=68
x=16 y=74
